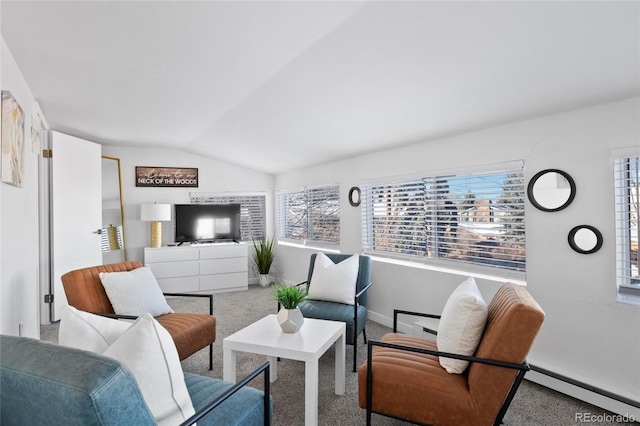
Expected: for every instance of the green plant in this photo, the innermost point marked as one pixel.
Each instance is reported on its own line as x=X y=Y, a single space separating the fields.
x=289 y=297
x=263 y=255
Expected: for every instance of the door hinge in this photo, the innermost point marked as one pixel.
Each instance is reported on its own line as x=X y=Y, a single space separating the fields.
x=47 y=153
x=48 y=298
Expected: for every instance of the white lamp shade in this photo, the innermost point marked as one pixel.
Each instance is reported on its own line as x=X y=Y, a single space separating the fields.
x=155 y=212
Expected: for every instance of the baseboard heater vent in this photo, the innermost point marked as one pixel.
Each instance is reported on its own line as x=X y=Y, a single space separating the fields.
x=586 y=386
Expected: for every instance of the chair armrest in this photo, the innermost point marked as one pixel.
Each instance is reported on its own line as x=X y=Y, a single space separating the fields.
x=361 y=292
x=210 y=296
x=524 y=366
x=116 y=316
x=232 y=390
x=396 y=312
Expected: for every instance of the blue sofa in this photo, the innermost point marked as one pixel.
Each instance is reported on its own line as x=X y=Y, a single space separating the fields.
x=44 y=383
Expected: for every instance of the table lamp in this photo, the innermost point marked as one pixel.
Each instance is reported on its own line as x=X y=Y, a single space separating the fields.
x=155 y=213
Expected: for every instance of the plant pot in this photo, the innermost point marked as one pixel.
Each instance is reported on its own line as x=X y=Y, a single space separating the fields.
x=290 y=320
x=264 y=280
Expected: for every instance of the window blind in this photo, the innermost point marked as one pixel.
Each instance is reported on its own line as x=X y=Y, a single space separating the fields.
x=252 y=211
x=469 y=218
x=310 y=215
x=627 y=233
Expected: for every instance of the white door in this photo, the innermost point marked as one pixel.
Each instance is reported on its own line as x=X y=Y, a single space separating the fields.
x=76 y=206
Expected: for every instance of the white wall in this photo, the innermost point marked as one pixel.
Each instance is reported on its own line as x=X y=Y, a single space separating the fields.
x=587 y=335
x=214 y=176
x=19 y=261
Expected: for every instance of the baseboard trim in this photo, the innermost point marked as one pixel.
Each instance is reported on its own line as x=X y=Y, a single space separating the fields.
x=587 y=393
x=585 y=386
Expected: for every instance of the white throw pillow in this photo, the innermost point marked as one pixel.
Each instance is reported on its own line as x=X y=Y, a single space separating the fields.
x=462 y=324
x=148 y=351
x=135 y=292
x=82 y=330
x=334 y=282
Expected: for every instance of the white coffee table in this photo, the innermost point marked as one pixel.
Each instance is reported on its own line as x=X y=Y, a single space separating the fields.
x=265 y=337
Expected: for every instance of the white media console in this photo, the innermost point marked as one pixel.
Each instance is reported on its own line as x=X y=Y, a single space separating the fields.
x=203 y=268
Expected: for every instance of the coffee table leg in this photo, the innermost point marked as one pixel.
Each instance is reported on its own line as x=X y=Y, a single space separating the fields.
x=311 y=393
x=340 y=355
x=229 y=365
x=273 y=368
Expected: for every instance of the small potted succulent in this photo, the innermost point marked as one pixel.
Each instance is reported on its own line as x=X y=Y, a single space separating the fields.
x=289 y=317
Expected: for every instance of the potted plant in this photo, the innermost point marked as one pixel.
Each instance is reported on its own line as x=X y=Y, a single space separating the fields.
x=263 y=255
x=290 y=317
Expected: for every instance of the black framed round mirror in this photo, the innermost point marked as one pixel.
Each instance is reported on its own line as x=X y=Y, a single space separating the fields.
x=551 y=190
x=354 y=196
x=585 y=239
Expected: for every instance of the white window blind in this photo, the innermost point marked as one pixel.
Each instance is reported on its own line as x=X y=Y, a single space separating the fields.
x=469 y=218
x=627 y=207
x=252 y=211
x=310 y=215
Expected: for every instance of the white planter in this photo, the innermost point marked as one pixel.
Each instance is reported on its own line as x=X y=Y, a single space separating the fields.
x=265 y=279
x=290 y=320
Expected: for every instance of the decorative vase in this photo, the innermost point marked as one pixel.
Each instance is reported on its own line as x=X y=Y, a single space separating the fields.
x=264 y=280
x=290 y=320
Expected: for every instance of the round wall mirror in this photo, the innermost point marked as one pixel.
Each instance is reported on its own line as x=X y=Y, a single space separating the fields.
x=551 y=190
x=585 y=239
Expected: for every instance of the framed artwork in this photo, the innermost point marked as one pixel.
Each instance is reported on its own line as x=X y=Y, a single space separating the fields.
x=174 y=177
x=12 y=140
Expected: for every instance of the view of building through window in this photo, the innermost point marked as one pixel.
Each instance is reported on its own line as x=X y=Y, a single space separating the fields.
x=475 y=218
x=310 y=215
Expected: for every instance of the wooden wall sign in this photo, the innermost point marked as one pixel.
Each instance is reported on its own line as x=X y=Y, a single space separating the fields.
x=173 y=177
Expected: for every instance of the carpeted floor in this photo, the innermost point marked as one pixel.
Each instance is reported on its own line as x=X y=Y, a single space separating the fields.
x=532 y=405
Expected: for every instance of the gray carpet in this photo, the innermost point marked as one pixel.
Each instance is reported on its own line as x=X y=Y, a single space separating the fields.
x=532 y=405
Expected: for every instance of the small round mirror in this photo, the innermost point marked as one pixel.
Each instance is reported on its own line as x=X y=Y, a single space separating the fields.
x=585 y=239
x=551 y=190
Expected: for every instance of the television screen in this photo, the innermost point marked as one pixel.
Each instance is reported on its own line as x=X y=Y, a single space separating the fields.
x=207 y=222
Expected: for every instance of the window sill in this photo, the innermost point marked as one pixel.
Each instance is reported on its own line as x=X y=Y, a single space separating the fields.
x=326 y=249
x=470 y=272
x=629 y=294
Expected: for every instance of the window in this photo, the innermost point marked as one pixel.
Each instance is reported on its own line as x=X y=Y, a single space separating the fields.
x=467 y=218
x=310 y=215
x=252 y=211
x=627 y=207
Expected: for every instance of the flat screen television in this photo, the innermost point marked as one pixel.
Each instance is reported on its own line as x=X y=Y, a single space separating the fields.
x=202 y=223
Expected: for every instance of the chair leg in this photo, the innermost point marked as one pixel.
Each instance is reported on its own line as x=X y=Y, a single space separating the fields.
x=369 y=384
x=211 y=356
x=355 y=352
x=509 y=398
x=355 y=348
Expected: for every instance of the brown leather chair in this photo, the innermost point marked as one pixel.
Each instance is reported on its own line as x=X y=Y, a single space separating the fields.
x=190 y=332
x=403 y=378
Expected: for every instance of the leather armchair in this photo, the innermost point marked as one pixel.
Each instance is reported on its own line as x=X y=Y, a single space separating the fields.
x=190 y=332
x=403 y=378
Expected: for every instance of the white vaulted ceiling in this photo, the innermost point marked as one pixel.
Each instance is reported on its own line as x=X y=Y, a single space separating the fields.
x=275 y=86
